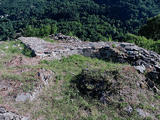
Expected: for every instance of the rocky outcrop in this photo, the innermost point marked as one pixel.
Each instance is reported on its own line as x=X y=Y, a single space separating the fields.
x=142 y=59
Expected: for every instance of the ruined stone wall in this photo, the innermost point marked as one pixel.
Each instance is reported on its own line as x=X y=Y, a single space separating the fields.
x=8 y=115
x=142 y=59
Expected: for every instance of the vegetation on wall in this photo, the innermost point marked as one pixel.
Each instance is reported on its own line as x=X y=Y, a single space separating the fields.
x=143 y=42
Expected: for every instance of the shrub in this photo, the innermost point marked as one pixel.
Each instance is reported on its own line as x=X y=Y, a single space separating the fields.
x=143 y=42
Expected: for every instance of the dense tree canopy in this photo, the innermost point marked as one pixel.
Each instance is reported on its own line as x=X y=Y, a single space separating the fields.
x=152 y=28
x=92 y=20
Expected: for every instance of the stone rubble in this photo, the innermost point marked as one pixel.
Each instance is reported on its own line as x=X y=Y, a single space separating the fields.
x=44 y=76
x=64 y=38
x=142 y=113
x=142 y=59
x=128 y=109
x=22 y=97
x=8 y=115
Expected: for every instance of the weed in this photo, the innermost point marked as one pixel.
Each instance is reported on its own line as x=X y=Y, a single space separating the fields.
x=1 y=100
x=113 y=45
x=48 y=39
x=158 y=116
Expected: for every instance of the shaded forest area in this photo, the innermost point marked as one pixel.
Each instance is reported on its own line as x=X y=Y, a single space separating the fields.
x=91 y=20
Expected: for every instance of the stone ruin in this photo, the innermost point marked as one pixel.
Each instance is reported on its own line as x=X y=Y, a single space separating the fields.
x=64 y=38
x=8 y=115
x=142 y=59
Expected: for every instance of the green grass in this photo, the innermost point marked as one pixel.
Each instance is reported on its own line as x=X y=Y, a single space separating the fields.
x=15 y=48
x=27 y=78
x=76 y=63
x=143 y=42
x=62 y=101
x=1 y=100
x=9 y=49
x=48 y=39
x=158 y=116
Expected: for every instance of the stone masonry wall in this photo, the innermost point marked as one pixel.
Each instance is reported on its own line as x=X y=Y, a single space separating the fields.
x=142 y=59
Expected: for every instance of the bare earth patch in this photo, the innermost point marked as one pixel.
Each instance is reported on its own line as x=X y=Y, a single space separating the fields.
x=21 y=60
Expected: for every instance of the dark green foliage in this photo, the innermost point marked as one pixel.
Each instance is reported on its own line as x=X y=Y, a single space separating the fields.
x=143 y=42
x=152 y=28
x=97 y=83
x=92 y=20
x=27 y=52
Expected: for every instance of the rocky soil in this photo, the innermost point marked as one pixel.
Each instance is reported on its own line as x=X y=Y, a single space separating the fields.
x=23 y=79
x=8 y=115
x=117 y=87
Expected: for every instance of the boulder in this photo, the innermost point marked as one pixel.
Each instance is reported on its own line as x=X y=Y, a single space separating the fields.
x=22 y=97
x=142 y=113
x=128 y=109
x=141 y=68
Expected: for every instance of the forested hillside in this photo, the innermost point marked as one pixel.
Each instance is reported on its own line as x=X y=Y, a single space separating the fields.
x=92 y=20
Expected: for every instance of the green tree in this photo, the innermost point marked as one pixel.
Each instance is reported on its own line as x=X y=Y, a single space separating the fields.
x=152 y=28
x=54 y=29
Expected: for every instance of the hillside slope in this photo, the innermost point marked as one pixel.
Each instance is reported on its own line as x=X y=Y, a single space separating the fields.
x=77 y=87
